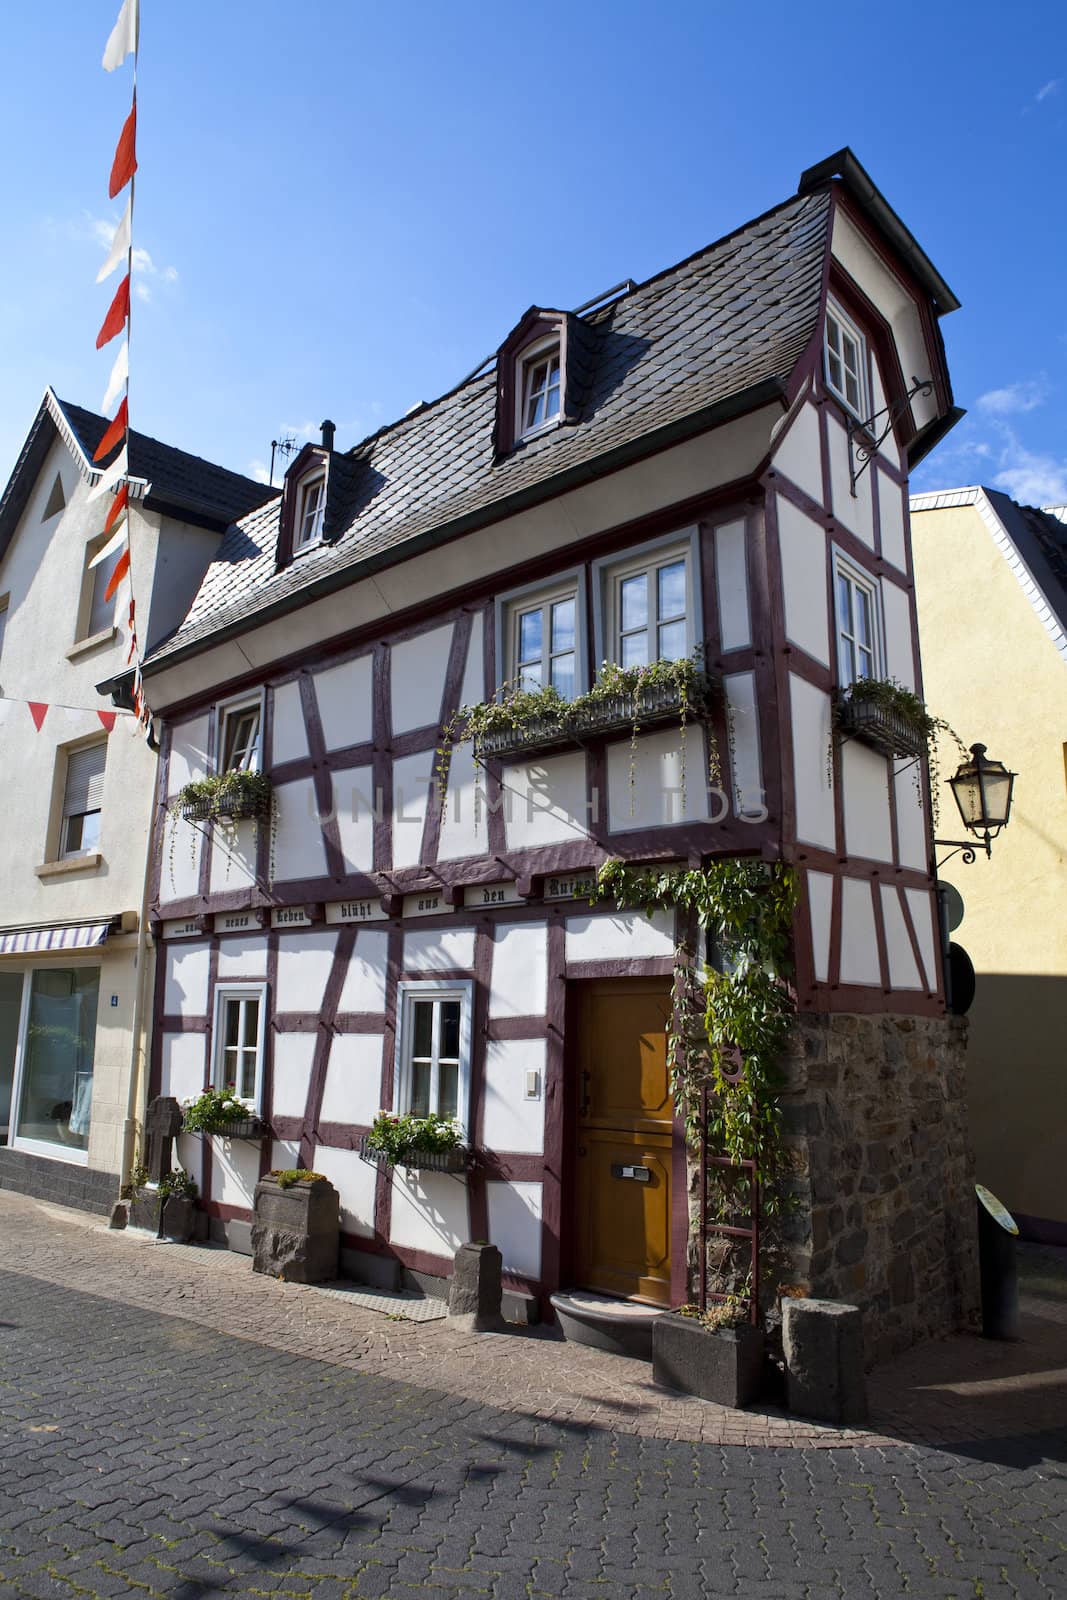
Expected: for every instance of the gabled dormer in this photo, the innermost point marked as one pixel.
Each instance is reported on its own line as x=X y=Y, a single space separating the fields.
x=536 y=387
x=305 y=498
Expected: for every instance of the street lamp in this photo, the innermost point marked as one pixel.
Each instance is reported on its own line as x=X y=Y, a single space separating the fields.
x=982 y=789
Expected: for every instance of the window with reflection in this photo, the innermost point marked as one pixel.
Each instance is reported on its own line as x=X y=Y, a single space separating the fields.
x=652 y=612
x=434 y=1050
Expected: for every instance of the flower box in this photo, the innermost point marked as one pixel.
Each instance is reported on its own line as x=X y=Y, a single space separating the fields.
x=458 y=1159
x=656 y=703
x=886 y=730
x=239 y=1128
x=724 y=1365
x=234 y=807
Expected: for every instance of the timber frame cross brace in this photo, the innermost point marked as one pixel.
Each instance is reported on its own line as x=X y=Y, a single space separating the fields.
x=862 y=444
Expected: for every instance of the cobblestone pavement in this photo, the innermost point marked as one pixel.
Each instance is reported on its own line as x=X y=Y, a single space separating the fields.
x=146 y=1452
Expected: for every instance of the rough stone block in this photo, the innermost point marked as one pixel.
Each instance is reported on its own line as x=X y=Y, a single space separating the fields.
x=296 y=1230
x=724 y=1365
x=475 y=1292
x=822 y=1342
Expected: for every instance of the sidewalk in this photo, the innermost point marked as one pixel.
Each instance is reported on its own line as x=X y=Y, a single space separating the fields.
x=965 y=1393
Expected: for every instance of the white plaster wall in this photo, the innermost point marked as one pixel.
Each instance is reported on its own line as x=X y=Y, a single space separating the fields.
x=353 y=1091
x=921 y=906
x=185 y=987
x=464 y=826
x=891 y=520
x=233 y=855
x=304 y=962
x=911 y=821
x=354 y=1181
x=748 y=796
x=802 y=544
x=182 y=1065
x=188 y=753
x=859 y=942
x=620 y=936
x=439 y=949
x=903 y=973
x=179 y=862
x=731 y=579
x=519 y=983
x=799 y=456
x=284 y=1153
x=820 y=905
x=813 y=786
x=412 y=777
x=545 y=802
x=662 y=795
x=298 y=847
x=344 y=696
x=243 y=957
x=417 y=677
x=515 y=1226
x=472 y=689
x=293 y=1056
x=865 y=785
x=189 y=1149
x=857 y=513
x=896 y=610
x=430 y=1212
x=510 y=1121
x=353 y=802
x=364 y=985
x=234 y=1171
x=288 y=738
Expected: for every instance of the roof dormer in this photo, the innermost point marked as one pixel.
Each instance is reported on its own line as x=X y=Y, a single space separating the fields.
x=305 y=499
x=535 y=387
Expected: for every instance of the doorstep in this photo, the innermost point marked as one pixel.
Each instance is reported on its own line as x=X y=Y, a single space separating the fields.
x=622 y=1327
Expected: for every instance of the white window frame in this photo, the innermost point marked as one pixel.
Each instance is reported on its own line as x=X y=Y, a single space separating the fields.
x=232 y=708
x=15 y=1139
x=858 y=578
x=525 y=362
x=315 y=479
x=225 y=992
x=609 y=573
x=538 y=596
x=861 y=410
x=408 y=990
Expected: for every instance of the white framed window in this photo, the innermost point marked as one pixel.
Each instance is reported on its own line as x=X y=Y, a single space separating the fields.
x=539 y=388
x=543 y=638
x=846 y=361
x=434 y=1049
x=83 y=798
x=310 y=511
x=857 y=622
x=649 y=607
x=239 y=737
x=240 y=1028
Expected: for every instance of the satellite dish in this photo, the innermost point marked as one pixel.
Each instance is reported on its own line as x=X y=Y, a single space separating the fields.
x=961 y=974
x=953 y=903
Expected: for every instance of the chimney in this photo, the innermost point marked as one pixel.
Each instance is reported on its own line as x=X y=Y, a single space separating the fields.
x=328 y=430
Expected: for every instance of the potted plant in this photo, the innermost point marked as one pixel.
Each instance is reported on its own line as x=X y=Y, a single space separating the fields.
x=227 y=796
x=296 y=1226
x=715 y=1354
x=169 y=1209
x=219 y=1111
x=424 y=1144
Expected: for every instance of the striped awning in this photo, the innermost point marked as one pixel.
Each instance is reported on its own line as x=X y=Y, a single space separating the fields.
x=79 y=936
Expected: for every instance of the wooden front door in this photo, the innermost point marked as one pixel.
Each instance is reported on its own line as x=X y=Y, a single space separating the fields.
x=624 y=1139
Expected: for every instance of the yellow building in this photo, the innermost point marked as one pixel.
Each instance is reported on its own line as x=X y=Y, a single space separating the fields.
x=991 y=584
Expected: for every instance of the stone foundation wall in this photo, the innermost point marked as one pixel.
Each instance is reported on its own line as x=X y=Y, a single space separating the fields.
x=882 y=1171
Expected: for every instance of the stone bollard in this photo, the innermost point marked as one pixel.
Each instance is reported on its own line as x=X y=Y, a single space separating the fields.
x=296 y=1227
x=823 y=1345
x=474 y=1294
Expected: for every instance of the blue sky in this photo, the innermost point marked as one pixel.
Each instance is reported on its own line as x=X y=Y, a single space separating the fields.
x=345 y=206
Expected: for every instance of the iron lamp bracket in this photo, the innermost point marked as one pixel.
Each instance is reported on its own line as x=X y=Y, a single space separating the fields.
x=863 y=444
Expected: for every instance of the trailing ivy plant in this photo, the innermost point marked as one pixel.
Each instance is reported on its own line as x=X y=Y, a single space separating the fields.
x=219 y=794
x=892 y=696
x=514 y=708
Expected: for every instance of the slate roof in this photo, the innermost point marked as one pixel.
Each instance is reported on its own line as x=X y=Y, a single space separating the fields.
x=723 y=328
x=1041 y=539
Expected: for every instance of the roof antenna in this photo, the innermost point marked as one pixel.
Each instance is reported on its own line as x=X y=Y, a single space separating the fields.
x=285 y=446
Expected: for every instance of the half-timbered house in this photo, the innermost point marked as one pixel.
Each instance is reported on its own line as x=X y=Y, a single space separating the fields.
x=688 y=463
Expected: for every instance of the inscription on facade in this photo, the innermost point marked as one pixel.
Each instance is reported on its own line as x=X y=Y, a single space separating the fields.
x=426 y=904
x=355 y=911
x=290 y=917
x=187 y=928
x=491 y=894
x=234 y=921
x=569 y=888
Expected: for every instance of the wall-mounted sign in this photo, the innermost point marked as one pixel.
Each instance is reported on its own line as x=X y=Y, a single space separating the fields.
x=491 y=894
x=355 y=911
x=237 y=921
x=571 y=887
x=428 y=904
x=183 y=928
x=290 y=917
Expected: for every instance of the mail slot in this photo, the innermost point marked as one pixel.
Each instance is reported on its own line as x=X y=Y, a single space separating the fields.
x=634 y=1174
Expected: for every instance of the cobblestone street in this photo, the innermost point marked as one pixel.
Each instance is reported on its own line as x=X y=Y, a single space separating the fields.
x=171 y=1425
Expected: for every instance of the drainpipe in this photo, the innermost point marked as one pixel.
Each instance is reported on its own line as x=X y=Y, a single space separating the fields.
x=129 y=1131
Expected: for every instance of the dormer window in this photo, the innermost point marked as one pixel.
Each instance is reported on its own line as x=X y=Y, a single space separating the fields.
x=539 y=389
x=310 y=511
x=846 y=361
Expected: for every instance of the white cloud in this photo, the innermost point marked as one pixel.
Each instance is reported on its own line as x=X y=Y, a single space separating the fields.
x=259 y=471
x=1014 y=398
x=1047 y=88
x=1030 y=478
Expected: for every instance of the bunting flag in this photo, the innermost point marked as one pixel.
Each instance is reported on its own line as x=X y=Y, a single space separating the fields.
x=118 y=507
x=115 y=321
x=38 y=711
x=120 y=372
x=122 y=41
x=116 y=542
x=74 y=716
x=122 y=566
x=125 y=163
x=115 y=431
x=120 y=247
x=114 y=474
